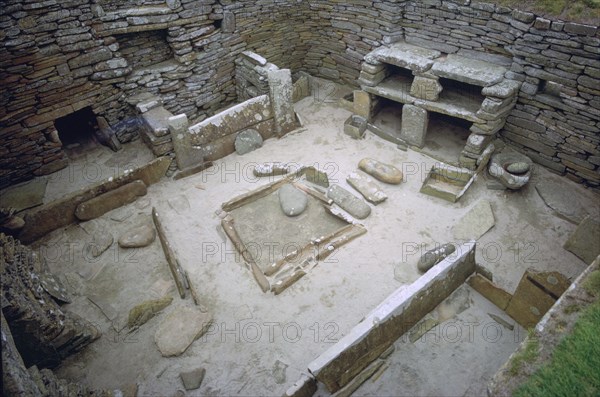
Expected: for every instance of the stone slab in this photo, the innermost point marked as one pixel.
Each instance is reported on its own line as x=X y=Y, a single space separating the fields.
x=404 y=55
x=61 y=212
x=192 y=379
x=367 y=187
x=157 y=120
x=490 y=291
x=529 y=303
x=476 y=222
x=349 y=202
x=585 y=240
x=383 y=172
x=101 y=204
x=281 y=94
x=24 y=195
x=397 y=314
x=414 y=125
x=467 y=70
x=556 y=193
x=179 y=329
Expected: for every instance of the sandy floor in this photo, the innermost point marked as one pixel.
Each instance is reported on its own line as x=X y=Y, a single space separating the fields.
x=261 y=342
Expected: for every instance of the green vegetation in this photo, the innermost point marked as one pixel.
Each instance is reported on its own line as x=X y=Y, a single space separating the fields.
x=592 y=283
x=573 y=10
x=572 y=308
x=573 y=369
x=527 y=355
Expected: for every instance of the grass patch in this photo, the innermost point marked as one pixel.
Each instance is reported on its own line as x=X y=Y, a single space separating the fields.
x=573 y=369
x=592 y=283
x=527 y=355
x=573 y=10
x=574 y=308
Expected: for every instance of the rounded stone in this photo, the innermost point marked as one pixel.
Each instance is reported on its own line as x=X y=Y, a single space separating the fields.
x=247 y=141
x=293 y=201
x=518 y=168
x=434 y=256
x=14 y=223
x=383 y=172
x=138 y=237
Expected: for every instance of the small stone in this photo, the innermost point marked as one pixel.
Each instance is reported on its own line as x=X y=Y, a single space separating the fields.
x=140 y=236
x=179 y=329
x=348 y=202
x=434 y=256
x=517 y=168
x=13 y=224
x=279 y=372
x=192 y=379
x=271 y=169
x=101 y=242
x=247 y=141
x=143 y=312
x=318 y=177
x=293 y=201
x=383 y=172
x=367 y=187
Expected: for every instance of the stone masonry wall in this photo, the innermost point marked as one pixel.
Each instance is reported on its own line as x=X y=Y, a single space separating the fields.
x=58 y=57
x=556 y=120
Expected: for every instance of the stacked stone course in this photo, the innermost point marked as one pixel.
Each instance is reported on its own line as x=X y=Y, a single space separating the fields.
x=59 y=57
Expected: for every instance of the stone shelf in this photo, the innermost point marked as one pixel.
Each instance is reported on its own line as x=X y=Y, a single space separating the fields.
x=467 y=70
x=452 y=102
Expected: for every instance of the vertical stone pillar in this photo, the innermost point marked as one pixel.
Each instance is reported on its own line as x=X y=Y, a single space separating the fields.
x=365 y=104
x=414 y=125
x=185 y=154
x=281 y=94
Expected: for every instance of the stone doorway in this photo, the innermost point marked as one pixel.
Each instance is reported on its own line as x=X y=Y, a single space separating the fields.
x=77 y=132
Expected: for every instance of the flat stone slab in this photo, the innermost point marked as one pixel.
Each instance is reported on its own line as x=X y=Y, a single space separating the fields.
x=271 y=169
x=24 y=195
x=381 y=171
x=584 y=241
x=348 y=202
x=179 y=329
x=557 y=194
x=157 y=120
x=405 y=55
x=116 y=198
x=468 y=70
x=367 y=187
x=137 y=237
x=140 y=314
x=192 y=379
x=505 y=89
x=476 y=222
x=293 y=202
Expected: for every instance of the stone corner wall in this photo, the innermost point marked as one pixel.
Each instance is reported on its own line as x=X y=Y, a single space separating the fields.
x=60 y=57
x=556 y=120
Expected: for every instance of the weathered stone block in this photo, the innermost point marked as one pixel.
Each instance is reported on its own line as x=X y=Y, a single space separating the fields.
x=281 y=90
x=426 y=88
x=108 y=201
x=414 y=125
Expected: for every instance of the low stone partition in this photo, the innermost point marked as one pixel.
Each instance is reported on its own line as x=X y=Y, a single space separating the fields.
x=270 y=114
x=62 y=212
x=425 y=80
x=391 y=319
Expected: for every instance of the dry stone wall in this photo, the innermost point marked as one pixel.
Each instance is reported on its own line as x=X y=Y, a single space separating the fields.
x=59 y=57
x=556 y=120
